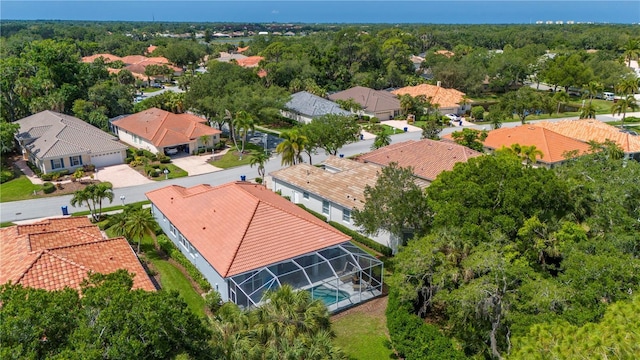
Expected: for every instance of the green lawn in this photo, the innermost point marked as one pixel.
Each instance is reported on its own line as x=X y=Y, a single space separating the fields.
x=174 y=172
x=6 y=224
x=171 y=278
x=18 y=189
x=110 y=208
x=362 y=336
x=231 y=158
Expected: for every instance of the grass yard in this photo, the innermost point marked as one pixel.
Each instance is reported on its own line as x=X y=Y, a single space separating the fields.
x=110 y=208
x=362 y=334
x=232 y=158
x=19 y=188
x=174 y=172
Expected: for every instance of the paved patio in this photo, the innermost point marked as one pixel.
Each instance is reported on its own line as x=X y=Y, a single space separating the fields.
x=196 y=164
x=121 y=176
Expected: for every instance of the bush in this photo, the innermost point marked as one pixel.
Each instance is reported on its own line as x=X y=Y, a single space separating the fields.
x=374 y=120
x=172 y=251
x=34 y=168
x=149 y=155
x=89 y=167
x=477 y=112
x=213 y=301
x=139 y=152
x=48 y=187
x=258 y=180
x=412 y=338
x=63 y=172
x=128 y=160
x=47 y=177
x=6 y=175
x=164 y=159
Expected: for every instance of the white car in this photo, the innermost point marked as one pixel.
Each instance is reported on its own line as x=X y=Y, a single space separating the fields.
x=453 y=117
x=171 y=151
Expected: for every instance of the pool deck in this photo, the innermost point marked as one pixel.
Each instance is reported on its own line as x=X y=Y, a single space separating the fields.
x=357 y=293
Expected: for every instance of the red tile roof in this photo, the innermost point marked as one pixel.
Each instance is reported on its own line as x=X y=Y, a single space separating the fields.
x=242 y=49
x=552 y=144
x=163 y=128
x=250 y=61
x=439 y=95
x=151 y=49
x=428 y=158
x=240 y=226
x=133 y=59
x=446 y=53
x=591 y=129
x=106 y=57
x=58 y=253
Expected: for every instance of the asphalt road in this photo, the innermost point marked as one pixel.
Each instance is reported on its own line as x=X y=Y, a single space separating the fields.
x=51 y=206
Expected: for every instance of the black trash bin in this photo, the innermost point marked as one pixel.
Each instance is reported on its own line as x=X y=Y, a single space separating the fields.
x=65 y=210
x=361 y=137
x=406 y=129
x=243 y=177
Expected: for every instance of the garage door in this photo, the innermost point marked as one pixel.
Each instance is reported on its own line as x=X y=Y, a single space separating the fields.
x=106 y=159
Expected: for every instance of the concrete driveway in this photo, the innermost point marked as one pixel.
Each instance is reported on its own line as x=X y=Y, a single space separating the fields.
x=121 y=176
x=195 y=165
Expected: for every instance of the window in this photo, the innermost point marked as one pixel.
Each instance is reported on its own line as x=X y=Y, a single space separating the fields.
x=164 y=217
x=75 y=160
x=305 y=195
x=183 y=241
x=346 y=215
x=57 y=164
x=172 y=229
x=325 y=207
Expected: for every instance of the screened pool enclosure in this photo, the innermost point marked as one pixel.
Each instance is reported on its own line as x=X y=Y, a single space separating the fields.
x=341 y=276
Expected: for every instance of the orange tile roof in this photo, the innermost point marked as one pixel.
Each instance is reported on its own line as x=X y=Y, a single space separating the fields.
x=552 y=144
x=135 y=75
x=151 y=49
x=240 y=226
x=446 y=53
x=133 y=59
x=58 y=253
x=439 y=95
x=163 y=128
x=242 y=49
x=591 y=129
x=106 y=57
x=428 y=158
x=250 y=61
x=344 y=186
x=262 y=73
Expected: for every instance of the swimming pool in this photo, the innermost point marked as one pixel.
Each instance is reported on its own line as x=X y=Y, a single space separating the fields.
x=329 y=296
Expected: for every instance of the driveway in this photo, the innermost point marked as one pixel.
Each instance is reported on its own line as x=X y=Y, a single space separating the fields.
x=401 y=124
x=121 y=176
x=195 y=165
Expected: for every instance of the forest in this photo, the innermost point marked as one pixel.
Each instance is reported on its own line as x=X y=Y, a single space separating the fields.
x=503 y=260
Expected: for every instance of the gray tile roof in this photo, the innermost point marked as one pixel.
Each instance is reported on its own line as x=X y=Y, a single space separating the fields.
x=49 y=134
x=311 y=105
x=370 y=99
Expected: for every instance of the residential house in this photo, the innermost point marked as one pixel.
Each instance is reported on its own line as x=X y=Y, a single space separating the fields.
x=54 y=254
x=553 y=146
x=135 y=63
x=594 y=130
x=157 y=130
x=448 y=100
x=107 y=58
x=334 y=189
x=246 y=239
x=53 y=142
x=304 y=107
x=378 y=103
x=428 y=158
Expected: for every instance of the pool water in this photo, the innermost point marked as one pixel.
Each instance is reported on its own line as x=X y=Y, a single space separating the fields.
x=329 y=296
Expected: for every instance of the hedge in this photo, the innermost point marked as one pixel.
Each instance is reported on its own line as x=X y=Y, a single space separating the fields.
x=169 y=247
x=357 y=237
x=413 y=338
x=48 y=188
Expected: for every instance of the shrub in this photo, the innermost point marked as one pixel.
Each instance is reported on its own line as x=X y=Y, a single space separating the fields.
x=172 y=251
x=258 y=180
x=384 y=250
x=48 y=187
x=149 y=155
x=213 y=301
x=64 y=172
x=139 y=152
x=374 y=120
x=128 y=160
x=6 y=175
x=477 y=112
x=47 y=177
x=164 y=159
x=34 y=168
x=89 y=167
x=412 y=338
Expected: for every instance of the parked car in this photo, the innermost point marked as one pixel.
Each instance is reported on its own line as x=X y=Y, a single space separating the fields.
x=453 y=117
x=171 y=151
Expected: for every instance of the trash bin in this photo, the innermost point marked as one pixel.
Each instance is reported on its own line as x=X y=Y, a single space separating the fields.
x=243 y=177
x=406 y=129
x=361 y=136
x=65 y=210
x=341 y=155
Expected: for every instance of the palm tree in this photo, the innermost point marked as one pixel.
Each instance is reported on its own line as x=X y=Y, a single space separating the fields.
x=627 y=86
x=631 y=50
x=140 y=222
x=621 y=106
x=593 y=89
x=588 y=111
x=259 y=158
x=292 y=147
x=562 y=98
x=382 y=139
x=530 y=154
x=242 y=123
x=228 y=117
x=92 y=196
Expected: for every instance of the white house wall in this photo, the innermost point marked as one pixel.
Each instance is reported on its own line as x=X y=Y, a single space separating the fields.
x=128 y=138
x=314 y=203
x=216 y=280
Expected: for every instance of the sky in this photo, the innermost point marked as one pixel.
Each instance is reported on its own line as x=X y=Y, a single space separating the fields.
x=327 y=11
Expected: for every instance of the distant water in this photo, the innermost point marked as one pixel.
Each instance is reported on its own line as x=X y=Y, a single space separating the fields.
x=364 y=11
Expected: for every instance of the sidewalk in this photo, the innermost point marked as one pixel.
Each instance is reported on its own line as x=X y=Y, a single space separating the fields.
x=401 y=124
x=22 y=165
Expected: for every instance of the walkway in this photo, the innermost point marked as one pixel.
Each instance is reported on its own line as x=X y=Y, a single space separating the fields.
x=401 y=124
x=22 y=165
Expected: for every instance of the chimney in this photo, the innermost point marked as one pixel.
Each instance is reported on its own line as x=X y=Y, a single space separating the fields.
x=439 y=83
